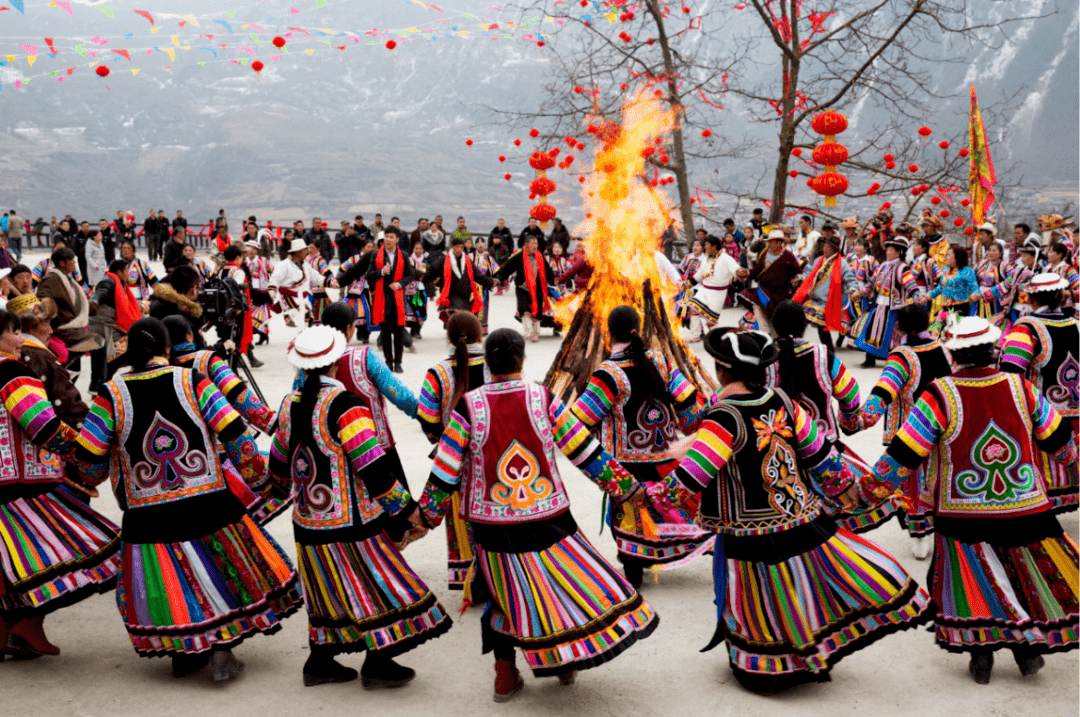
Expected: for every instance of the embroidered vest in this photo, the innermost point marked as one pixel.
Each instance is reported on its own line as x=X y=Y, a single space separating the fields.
x=1054 y=368
x=636 y=430
x=760 y=490
x=512 y=476
x=353 y=372
x=815 y=398
x=985 y=463
x=445 y=372
x=927 y=362
x=325 y=493
x=21 y=461
x=164 y=451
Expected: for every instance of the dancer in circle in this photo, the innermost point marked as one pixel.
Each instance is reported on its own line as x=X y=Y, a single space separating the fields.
x=198 y=575
x=54 y=549
x=1004 y=573
x=794 y=592
x=909 y=369
x=350 y=514
x=444 y=386
x=547 y=589
x=634 y=401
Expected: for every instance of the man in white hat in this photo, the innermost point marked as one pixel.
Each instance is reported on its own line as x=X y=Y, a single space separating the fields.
x=892 y=288
x=774 y=271
x=1017 y=275
x=1043 y=348
x=714 y=275
x=1004 y=572
x=986 y=235
x=290 y=284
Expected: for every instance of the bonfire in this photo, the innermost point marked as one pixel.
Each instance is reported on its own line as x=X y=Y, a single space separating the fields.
x=625 y=218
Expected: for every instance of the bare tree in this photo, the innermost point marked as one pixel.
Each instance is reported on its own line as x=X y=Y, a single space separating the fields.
x=652 y=47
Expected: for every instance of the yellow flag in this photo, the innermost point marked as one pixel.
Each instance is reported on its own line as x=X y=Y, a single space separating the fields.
x=135 y=72
x=31 y=59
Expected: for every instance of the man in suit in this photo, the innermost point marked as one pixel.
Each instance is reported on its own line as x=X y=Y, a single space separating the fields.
x=388 y=275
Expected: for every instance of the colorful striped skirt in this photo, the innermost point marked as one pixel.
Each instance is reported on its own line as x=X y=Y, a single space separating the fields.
x=873 y=517
x=795 y=619
x=1063 y=488
x=263 y=508
x=875 y=332
x=460 y=546
x=990 y=597
x=363 y=596
x=565 y=606
x=319 y=301
x=54 y=551
x=260 y=319
x=670 y=539
x=212 y=592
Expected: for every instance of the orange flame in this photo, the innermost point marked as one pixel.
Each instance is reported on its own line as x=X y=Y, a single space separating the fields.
x=625 y=216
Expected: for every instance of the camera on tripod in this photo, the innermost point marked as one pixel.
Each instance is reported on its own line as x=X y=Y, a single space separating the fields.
x=224 y=304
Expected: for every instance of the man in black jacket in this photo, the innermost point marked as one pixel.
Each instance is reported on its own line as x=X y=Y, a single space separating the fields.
x=107 y=240
x=532 y=232
x=459 y=281
x=390 y=270
x=178 y=295
x=174 y=250
x=151 y=230
x=78 y=244
x=348 y=243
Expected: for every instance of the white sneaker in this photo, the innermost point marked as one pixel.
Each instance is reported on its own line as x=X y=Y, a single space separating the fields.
x=924 y=544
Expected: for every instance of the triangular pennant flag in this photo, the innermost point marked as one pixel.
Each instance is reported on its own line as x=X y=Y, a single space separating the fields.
x=201 y=63
x=30 y=49
x=146 y=14
x=81 y=50
x=230 y=13
x=192 y=19
x=65 y=6
x=18 y=6
x=176 y=40
x=124 y=54
x=107 y=10
x=134 y=71
x=294 y=11
x=70 y=70
x=155 y=30
x=320 y=3
x=172 y=53
x=31 y=59
x=52 y=48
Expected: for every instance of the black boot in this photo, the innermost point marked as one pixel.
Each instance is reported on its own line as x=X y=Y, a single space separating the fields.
x=324 y=669
x=870 y=362
x=635 y=573
x=982 y=664
x=379 y=671
x=184 y=665
x=1028 y=663
x=255 y=363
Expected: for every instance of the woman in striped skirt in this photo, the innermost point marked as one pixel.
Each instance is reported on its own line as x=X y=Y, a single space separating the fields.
x=546 y=588
x=794 y=592
x=198 y=575
x=350 y=515
x=1004 y=573
x=54 y=549
x=444 y=385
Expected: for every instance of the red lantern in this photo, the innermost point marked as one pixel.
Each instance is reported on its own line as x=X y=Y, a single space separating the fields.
x=507 y=176
x=257 y=66
x=581 y=179
x=964 y=152
x=830 y=154
x=965 y=202
x=943 y=144
x=890 y=165
x=873 y=189
x=706 y=133
x=935 y=200
x=279 y=42
x=916 y=191
x=502 y=157
x=793 y=173
x=958 y=222
x=534 y=133
x=887 y=205
x=540 y=44
x=925 y=131
x=969 y=231
x=888 y=158
x=829 y=185
x=945 y=213
x=391 y=44
x=517 y=142
x=913 y=168
x=664 y=159
x=797 y=152
x=541 y=161
x=468 y=143
x=102 y=71
x=542 y=186
x=542 y=213
x=829 y=123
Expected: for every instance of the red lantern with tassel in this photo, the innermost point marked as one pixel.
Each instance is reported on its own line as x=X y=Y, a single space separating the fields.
x=542 y=186
x=831 y=154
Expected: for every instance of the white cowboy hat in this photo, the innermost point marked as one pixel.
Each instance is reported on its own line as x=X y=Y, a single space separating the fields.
x=316 y=347
x=988 y=228
x=971 y=331
x=1048 y=281
x=253 y=244
x=776 y=234
x=297 y=245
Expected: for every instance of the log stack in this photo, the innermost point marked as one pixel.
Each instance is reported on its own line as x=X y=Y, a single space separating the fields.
x=584 y=348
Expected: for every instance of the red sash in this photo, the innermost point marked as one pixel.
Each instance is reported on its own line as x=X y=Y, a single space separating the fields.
x=127 y=308
x=530 y=282
x=444 y=295
x=834 y=303
x=249 y=328
x=379 y=310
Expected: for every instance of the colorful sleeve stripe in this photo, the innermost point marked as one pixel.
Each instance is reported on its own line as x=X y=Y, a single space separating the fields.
x=24 y=398
x=98 y=428
x=451 y=451
x=356 y=431
x=429 y=408
x=681 y=390
x=924 y=425
x=711 y=451
x=224 y=377
x=1018 y=350
x=217 y=411
x=845 y=387
x=571 y=435
x=595 y=401
x=1045 y=418
x=893 y=378
x=809 y=441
